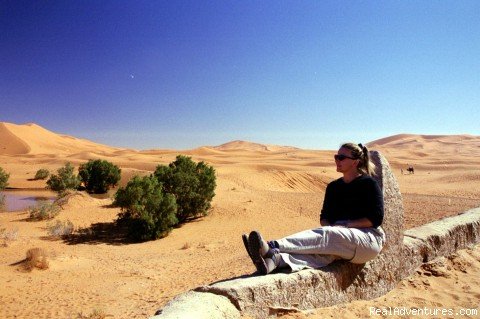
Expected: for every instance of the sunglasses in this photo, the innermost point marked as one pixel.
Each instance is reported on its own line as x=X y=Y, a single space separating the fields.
x=341 y=157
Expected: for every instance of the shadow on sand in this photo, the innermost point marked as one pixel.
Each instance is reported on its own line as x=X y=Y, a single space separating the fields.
x=113 y=233
x=100 y=233
x=352 y=270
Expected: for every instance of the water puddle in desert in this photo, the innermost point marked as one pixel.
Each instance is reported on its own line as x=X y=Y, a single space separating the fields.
x=18 y=200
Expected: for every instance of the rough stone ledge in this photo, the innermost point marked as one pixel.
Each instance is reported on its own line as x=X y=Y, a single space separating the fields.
x=198 y=305
x=440 y=238
x=445 y=236
x=265 y=296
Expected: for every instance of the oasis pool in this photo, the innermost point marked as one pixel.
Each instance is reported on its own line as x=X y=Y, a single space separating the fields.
x=18 y=200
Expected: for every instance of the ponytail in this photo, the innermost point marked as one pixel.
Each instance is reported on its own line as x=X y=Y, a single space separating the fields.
x=360 y=152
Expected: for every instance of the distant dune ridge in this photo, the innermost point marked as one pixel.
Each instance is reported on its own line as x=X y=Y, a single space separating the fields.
x=31 y=138
x=250 y=146
x=435 y=143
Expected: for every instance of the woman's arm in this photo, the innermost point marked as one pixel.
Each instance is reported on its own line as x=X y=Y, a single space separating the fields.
x=374 y=209
x=326 y=212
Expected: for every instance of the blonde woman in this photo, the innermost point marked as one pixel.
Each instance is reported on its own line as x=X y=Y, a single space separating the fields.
x=350 y=222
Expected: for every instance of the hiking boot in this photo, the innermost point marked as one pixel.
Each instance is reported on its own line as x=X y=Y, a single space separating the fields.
x=258 y=246
x=269 y=263
x=259 y=253
x=272 y=261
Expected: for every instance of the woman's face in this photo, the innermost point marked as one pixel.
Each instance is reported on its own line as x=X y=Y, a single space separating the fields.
x=344 y=161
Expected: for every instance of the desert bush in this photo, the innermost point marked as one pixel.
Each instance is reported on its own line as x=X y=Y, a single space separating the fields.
x=86 y=233
x=42 y=174
x=3 y=179
x=95 y=314
x=187 y=245
x=44 y=210
x=64 y=180
x=7 y=236
x=36 y=258
x=192 y=184
x=99 y=175
x=60 y=228
x=146 y=210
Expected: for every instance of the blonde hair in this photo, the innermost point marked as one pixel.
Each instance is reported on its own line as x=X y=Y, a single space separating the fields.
x=360 y=152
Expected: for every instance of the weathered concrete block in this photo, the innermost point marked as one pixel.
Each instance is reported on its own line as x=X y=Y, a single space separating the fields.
x=444 y=237
x=394 y=212
x=411 y=256
x=340 y=282
x=199 y=306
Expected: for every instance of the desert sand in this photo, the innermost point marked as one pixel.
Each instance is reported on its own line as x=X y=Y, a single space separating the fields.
x=275 y=189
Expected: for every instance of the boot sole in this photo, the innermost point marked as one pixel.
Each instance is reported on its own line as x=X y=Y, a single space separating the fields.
x=255 y=244
x=245 y=243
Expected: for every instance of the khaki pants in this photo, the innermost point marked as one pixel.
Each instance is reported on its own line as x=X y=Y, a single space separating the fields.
x=319 y=247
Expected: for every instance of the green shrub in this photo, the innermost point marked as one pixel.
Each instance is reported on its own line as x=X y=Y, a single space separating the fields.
x=192 y=184
x=147 y=211
x=3 y=179
x=64 y=180
x=44 y=210
x=99 y=175
x=42 y=174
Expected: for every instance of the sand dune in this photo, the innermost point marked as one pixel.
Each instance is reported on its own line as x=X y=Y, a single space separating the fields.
x=10 y=143
x=33 y=139
x=275 y=189
x=422 y=141
x=251 y=146
x=435 y=146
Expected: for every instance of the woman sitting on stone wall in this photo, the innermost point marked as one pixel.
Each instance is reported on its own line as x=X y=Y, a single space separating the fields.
x=350 y=222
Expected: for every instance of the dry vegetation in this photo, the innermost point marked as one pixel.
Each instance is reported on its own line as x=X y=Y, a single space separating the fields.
x=186 y=246
x=36 y=258
x=44 y=210
x=60 y=228
x=8 y=236
x=95 y=314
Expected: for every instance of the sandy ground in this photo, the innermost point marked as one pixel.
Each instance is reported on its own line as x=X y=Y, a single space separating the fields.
x=277 y=190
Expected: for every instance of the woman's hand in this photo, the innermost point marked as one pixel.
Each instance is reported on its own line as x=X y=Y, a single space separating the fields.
x=324 y=222
x=342 y=223
x=354 y=223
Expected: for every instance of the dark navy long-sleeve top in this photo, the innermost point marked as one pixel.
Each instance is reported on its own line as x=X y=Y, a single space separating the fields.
x=361 y=198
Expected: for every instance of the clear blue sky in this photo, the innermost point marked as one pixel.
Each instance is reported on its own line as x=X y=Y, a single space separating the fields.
x=182 y=74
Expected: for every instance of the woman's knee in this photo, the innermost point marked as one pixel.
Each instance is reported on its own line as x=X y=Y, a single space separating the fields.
x=364 y=254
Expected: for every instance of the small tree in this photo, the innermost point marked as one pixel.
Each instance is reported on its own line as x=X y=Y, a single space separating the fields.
x=42 y=174
x=3 y=179
x=99 y=175
x=64 y=180
x=147 y=211
x=192 y=184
